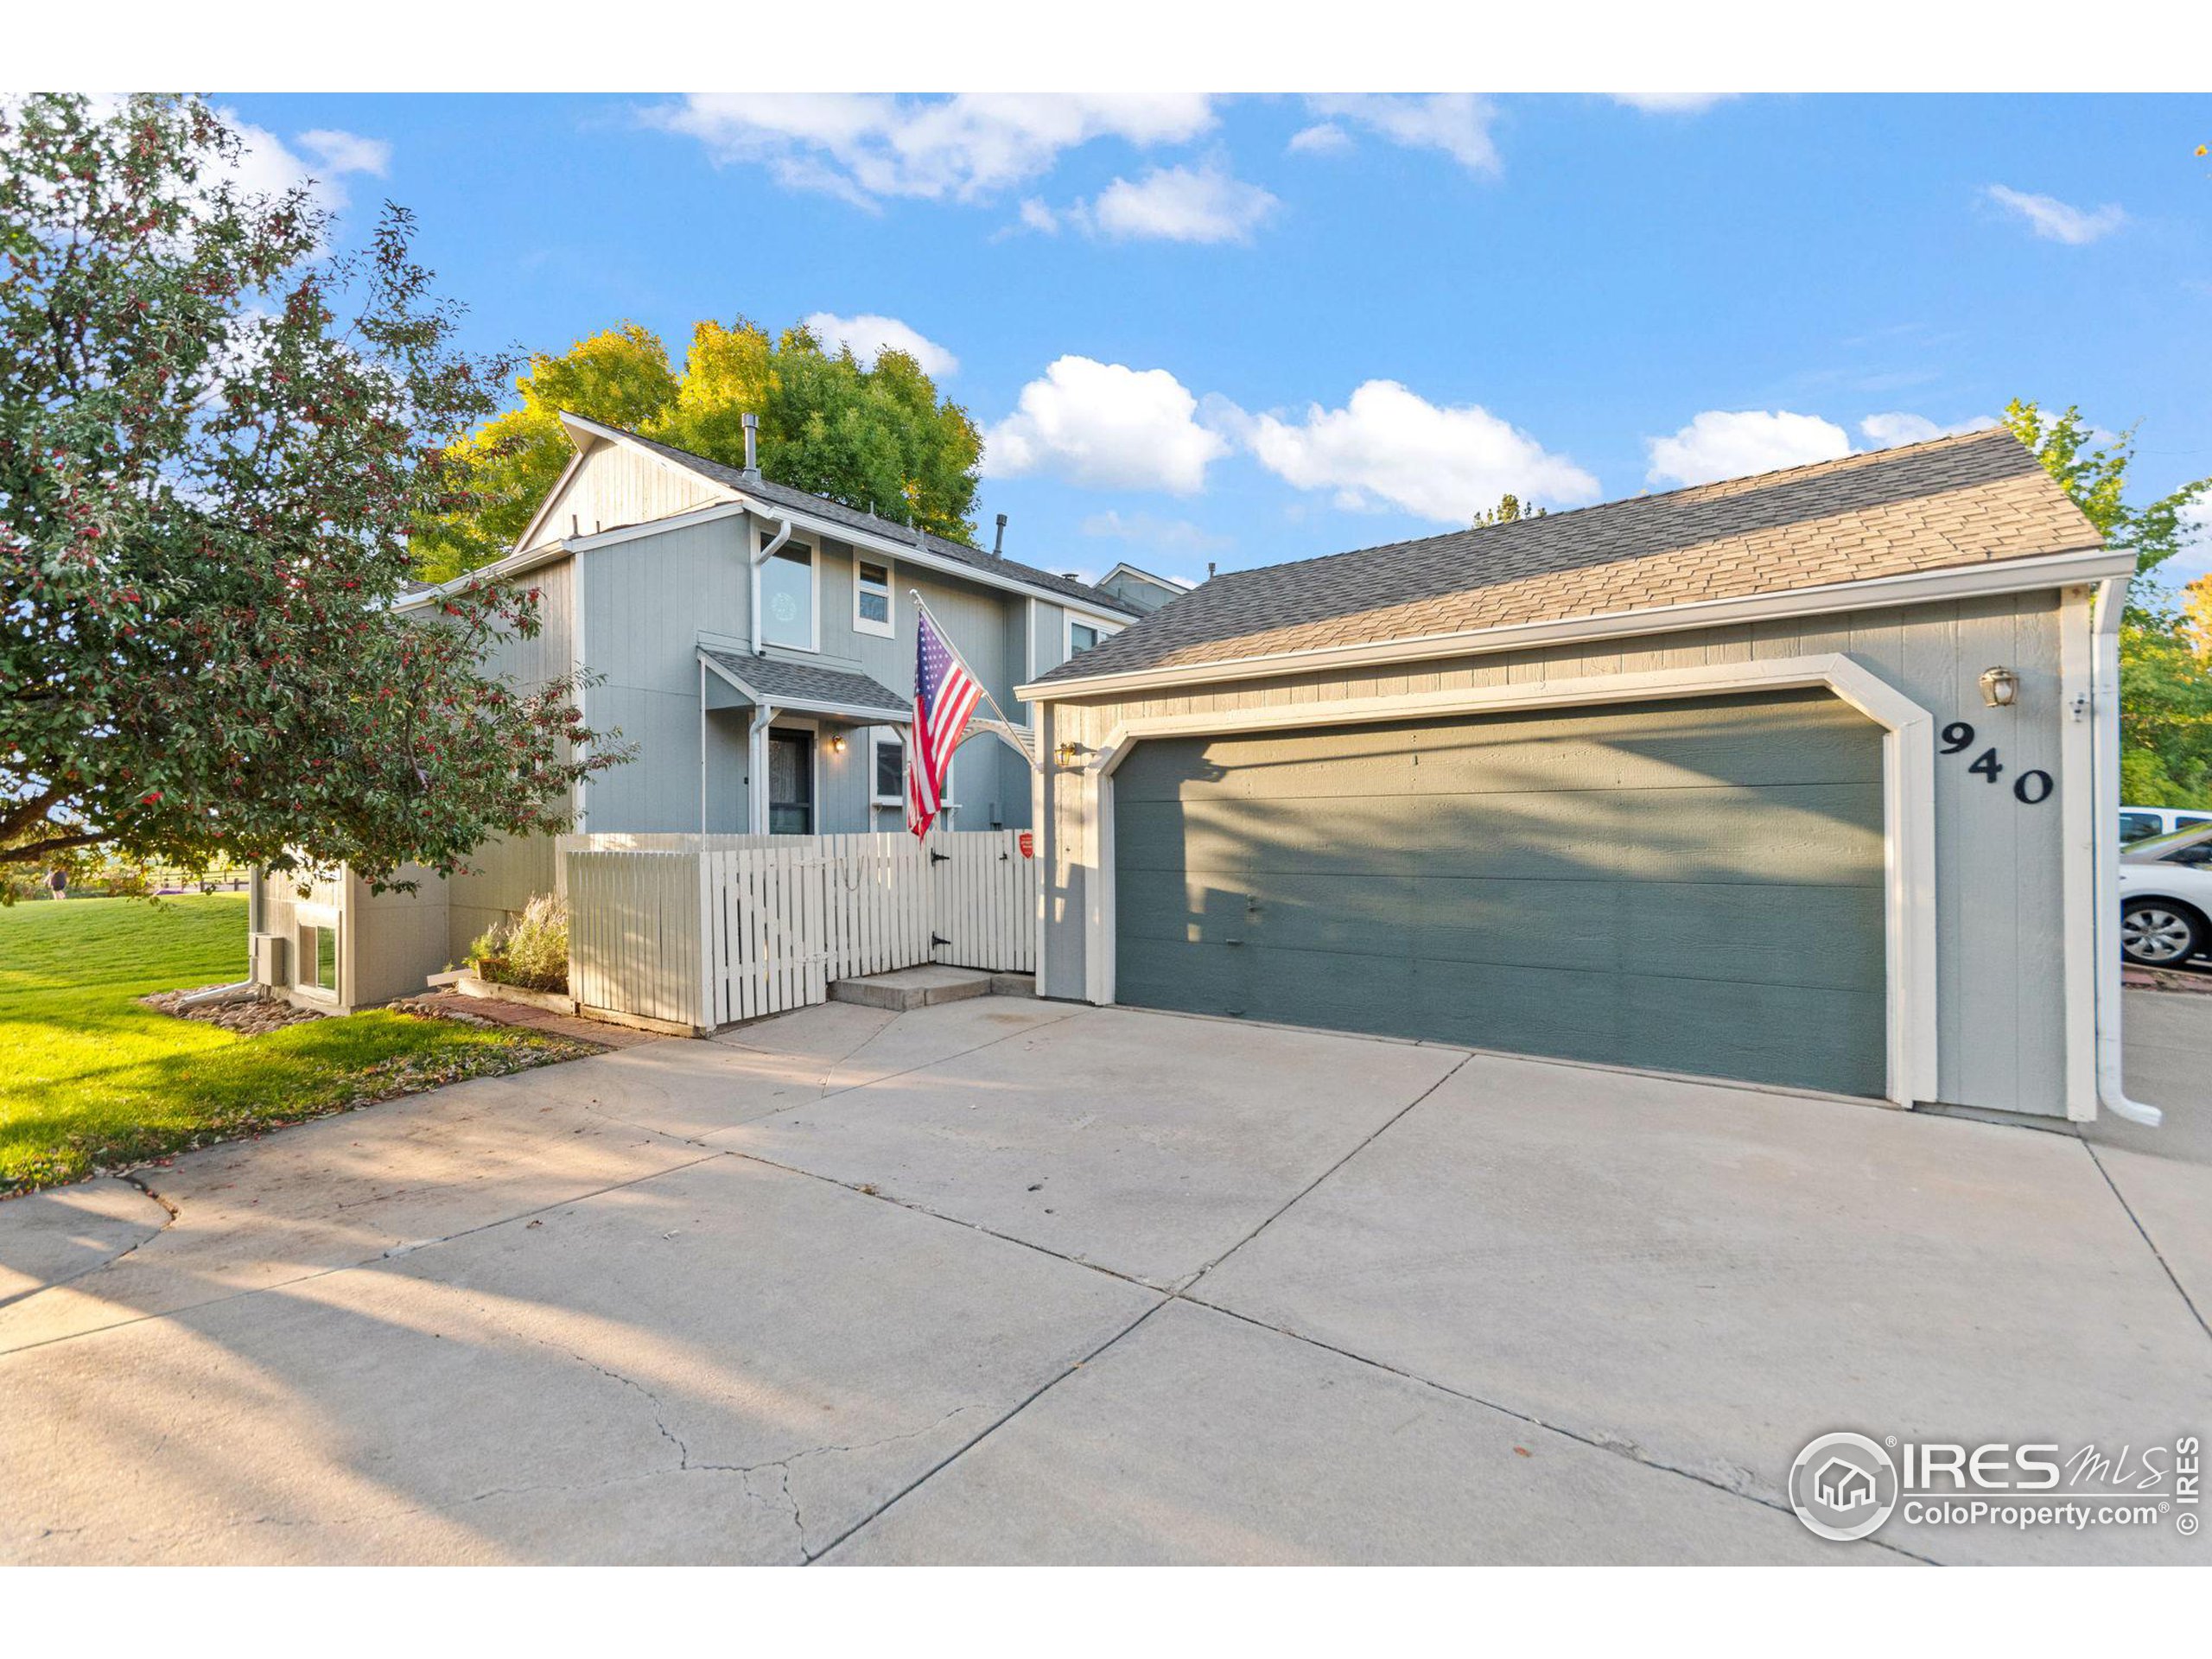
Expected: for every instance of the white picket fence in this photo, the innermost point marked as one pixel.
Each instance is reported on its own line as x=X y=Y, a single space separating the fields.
x=704 y=931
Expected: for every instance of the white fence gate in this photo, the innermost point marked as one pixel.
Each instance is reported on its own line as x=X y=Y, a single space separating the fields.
x=701 y=931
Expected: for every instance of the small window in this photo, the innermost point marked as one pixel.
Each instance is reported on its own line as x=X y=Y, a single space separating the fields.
x=872 y=598
x=1081 y=638
x=890 y=770
x=2138 y=826
x=318 y=964
x=2189 y=821
x=787 y=598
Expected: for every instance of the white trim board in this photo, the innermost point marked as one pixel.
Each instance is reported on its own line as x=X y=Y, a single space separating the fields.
x=1879 y=593
x=1908 y=805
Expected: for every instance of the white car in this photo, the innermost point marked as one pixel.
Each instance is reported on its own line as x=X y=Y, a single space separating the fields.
x=2141 y=823
x=2165 y=897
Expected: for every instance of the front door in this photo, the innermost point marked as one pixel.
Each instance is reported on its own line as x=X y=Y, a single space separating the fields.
x=791 y=783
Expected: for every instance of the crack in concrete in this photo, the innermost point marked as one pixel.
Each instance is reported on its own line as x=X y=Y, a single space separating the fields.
x=1597 y=1440
x=2151 y=1244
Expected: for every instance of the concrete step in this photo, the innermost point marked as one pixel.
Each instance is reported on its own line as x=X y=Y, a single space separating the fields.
x=913 y=988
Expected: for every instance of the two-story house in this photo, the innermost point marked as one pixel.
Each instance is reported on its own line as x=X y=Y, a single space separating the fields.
x=755 y=646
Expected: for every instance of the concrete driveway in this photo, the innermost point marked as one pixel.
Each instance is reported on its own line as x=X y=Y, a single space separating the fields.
x=1005 y=1280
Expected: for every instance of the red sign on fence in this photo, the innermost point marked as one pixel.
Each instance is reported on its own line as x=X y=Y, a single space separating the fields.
x=1028 y=844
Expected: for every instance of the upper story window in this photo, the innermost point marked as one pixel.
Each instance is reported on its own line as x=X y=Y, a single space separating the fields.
x=872 y=597
x=787 y=583
x=1082 y=636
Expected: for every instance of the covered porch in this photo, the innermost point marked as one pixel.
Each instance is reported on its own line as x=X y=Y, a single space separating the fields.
x=807 y=766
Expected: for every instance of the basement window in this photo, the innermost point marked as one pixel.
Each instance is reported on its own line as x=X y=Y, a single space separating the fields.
x=318 y=964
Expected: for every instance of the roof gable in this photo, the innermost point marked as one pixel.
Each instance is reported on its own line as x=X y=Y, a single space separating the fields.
x=733 y=481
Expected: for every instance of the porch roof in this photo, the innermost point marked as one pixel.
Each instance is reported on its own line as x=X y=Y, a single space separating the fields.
x=806 y=689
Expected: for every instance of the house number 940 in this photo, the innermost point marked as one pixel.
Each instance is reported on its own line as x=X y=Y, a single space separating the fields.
x=2030 y=788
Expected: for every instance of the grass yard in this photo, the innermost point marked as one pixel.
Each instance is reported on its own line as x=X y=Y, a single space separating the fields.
x=89 y=1079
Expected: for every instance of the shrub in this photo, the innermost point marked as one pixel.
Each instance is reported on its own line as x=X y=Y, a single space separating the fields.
x=531 y=950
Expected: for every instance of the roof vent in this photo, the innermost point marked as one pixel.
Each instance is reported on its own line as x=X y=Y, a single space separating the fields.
x=752 y=446
x=998 y=542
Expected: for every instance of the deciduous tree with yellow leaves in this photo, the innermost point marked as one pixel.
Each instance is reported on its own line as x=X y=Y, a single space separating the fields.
x=875 y=436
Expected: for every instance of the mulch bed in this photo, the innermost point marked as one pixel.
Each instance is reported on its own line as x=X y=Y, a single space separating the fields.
x=248 y=1018
x=2164 y=979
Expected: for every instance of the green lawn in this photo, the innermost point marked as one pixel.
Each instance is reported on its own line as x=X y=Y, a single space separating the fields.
x=90 y=1079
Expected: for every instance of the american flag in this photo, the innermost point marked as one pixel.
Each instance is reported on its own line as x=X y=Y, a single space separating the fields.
x=945 y=696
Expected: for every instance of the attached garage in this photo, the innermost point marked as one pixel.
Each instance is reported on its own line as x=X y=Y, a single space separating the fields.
x=1689 y=885
x=1807 y=780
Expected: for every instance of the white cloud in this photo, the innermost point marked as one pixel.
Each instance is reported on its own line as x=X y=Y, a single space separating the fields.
x=1721 y=443
x=2057 y=221
x=1456 y=123
x=1388 y=445
x=347 y=152
x=2194 y=558
x=869 y=335
x=1106 y=425
x=866 y=146
x=1671 y=103
x=268 y=166
x=1168 y=535
x=1038 y=215
x=1179 y=203
x=1885 y=431
x=1323 y=138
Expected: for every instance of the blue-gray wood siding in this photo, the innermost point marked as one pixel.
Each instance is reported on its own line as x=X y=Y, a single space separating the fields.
x=2001 y=985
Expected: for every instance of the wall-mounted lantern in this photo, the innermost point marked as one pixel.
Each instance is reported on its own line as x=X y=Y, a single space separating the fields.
x=2000 y=687
x=837 y=744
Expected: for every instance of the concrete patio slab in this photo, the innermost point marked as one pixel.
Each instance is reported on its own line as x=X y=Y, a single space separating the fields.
x=1707 y=1277
x=679 y=1372
x=913 y=988
x=49 y=1238
x=1198 y=1438
x=1146 y=1144
x=839 y=1045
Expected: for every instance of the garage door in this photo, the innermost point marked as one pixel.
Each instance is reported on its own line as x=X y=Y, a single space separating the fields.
x=1692 y=886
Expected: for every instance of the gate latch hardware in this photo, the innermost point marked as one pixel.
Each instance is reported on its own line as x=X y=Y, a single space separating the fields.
x=936 y=857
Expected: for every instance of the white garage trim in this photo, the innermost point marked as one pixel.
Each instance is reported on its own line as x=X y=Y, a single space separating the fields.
x=1908 y=803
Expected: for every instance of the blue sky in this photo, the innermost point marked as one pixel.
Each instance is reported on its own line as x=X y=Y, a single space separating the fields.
x=1255 y=329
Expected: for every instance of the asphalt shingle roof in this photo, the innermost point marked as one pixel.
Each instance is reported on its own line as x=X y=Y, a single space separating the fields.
x=799 y=685
x=1963 y=500
x=854 y=518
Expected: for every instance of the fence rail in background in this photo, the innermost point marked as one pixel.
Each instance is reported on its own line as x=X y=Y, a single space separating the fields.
x=704 y=932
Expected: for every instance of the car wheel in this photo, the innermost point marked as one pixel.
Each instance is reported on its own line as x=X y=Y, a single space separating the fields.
x=2154 y=934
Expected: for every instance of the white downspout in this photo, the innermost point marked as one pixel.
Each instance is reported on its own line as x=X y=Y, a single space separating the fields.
x=756 y=749
x=703 y=745
x=2104 y=681
x=768 y=550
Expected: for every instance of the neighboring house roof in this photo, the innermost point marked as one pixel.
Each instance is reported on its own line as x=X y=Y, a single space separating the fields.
x=802 y=686
x=1134 y=574
x=1974 y=500
x=836 y=512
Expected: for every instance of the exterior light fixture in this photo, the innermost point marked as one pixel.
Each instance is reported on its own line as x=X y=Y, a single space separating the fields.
x=1067 y=754
x=837 y=744
x=2000 y=687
